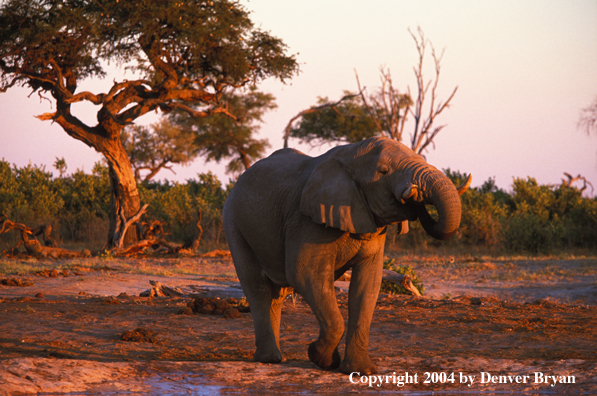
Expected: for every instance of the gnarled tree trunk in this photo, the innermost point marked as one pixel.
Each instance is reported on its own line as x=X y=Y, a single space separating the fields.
x=105 y=139
x=124 y=197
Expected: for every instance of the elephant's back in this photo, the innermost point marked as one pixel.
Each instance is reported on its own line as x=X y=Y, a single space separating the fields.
x=263 y=202
x=270 y=189
x=276 y=176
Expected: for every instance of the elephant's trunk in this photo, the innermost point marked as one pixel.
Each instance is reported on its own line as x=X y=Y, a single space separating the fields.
x=437 y=189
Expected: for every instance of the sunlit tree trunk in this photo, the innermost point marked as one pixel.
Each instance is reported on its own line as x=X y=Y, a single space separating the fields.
x=105 y=139
x=124 y=198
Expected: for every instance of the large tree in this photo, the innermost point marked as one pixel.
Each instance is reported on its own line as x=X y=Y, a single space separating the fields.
x=184 y=52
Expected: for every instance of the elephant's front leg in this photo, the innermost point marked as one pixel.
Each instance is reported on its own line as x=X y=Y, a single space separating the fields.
x=362 y=297
x=315 y=282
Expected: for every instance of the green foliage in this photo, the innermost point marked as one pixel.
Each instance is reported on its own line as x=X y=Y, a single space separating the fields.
x=27 y=194
x=35 y=42
x=177 y=205
x=84 y=216
x=533 y=218
x=392 y=288
x=548 y=217
x=219 y=136
x=211 y=39
x=347 y=122
x=482 y=218
x=208 y=37
x=151 y=149
x=483 y=212
x=77 y=206
x=60 y=165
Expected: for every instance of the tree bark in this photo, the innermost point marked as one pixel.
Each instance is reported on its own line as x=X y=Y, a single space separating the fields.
x=124 y=194
x=105 y=139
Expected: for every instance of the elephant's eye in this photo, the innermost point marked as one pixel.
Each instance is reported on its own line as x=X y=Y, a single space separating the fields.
x=383 y=169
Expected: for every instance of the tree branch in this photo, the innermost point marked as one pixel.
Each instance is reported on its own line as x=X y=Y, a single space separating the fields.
x=199 y=113
x=364 y=99
x=124 y=224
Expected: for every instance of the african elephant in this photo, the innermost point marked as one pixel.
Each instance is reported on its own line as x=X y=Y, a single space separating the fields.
x=297 y=221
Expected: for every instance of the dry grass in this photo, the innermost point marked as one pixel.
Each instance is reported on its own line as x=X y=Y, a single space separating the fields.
x=454 y=265
x=144 y=266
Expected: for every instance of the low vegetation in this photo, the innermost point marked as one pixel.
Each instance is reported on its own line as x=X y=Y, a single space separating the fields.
x=532 y=218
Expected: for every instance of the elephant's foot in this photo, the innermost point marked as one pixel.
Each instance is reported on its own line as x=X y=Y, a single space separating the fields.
x=325 y=358
x=264 y=355
x=361 y=364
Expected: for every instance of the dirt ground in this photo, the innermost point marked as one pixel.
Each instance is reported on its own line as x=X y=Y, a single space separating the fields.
x=511 y=325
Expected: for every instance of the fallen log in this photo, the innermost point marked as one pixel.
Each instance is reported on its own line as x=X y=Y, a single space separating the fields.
x=391 y=276
x=160 y=290
x=34 y=248
x=152 y=235
x=402 y=280
x=45 y=231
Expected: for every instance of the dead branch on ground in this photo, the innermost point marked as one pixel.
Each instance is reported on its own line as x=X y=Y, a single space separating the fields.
x=153 y=235
x=391 y=276
x=32 y=245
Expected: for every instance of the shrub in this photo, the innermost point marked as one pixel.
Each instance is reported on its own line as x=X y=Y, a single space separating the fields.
x=77 y=206
x=177 y=205
x=26 y=194
x=533 y=218
x=85 y=214
x=550 y=217
x=525 y=232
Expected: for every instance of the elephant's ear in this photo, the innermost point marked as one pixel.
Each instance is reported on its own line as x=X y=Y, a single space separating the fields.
x=332 y=197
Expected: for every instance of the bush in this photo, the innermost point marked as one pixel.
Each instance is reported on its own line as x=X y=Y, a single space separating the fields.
x=84 y=216
x=177 y=205
x=77 y=206
x=550 y=217
x=525 y=232
x=533 y=218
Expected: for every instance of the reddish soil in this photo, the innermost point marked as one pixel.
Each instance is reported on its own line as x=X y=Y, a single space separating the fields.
x=92 y=333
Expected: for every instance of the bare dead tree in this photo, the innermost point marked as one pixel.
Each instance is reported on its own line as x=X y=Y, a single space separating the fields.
x=391 y=109
x=588 y=118
x=424 y=130
x=152 y=235
x=570 y=179
x=45 y=231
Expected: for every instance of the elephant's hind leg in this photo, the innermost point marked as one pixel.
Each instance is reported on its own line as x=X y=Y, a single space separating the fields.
x=265 y=300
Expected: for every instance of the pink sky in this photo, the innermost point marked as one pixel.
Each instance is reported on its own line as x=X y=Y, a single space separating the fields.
x=525 y=69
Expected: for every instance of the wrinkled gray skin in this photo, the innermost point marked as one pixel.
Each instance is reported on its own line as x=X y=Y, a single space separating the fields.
x=296 y=221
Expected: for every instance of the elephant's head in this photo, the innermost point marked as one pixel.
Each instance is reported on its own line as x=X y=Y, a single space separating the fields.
x=361 y=187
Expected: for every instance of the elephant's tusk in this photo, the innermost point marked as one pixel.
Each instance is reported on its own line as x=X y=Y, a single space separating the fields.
x=410 y=191
x=464 y=186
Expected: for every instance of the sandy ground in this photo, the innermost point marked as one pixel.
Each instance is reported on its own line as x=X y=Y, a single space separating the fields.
x=512 y=326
